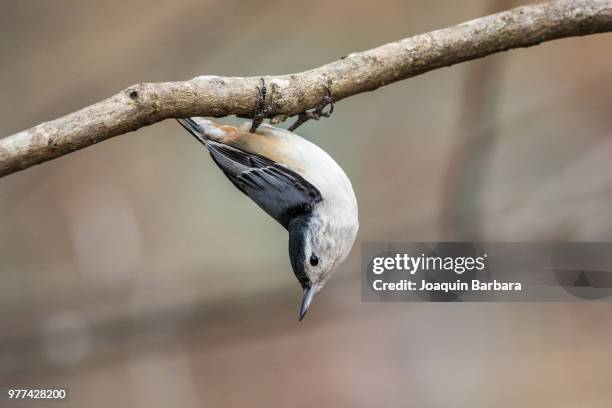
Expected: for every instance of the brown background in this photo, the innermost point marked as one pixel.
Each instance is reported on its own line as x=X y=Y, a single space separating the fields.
x=135 y=274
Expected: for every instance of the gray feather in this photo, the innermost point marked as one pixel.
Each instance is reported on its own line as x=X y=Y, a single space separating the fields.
x=278 y=190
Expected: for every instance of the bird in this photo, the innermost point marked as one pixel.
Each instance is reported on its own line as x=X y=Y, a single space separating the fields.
x=294 y=181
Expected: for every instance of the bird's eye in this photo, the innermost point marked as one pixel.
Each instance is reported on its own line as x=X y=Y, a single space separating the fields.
x=314 y=260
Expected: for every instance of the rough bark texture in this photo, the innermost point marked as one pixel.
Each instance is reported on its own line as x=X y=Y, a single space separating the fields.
x=143 y=104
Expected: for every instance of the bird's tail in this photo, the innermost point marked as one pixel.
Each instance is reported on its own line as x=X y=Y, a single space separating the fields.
x=193 y=127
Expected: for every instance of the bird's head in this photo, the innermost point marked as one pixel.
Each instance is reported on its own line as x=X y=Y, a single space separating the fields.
x=316 y=248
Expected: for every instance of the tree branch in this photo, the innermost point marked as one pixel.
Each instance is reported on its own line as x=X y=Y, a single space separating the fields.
x=147 y=103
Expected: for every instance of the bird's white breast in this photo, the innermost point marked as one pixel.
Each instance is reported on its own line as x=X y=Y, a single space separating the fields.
x=338 y=210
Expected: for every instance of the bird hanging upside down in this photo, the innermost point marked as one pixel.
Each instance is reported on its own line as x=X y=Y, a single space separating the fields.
x=296 y=183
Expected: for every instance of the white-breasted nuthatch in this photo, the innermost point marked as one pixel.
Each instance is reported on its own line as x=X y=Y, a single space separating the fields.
x=295 y=182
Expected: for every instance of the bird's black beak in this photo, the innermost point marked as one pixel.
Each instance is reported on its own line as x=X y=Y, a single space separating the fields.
x=307 y=300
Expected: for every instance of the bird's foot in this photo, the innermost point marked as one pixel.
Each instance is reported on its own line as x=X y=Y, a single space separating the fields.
x=317 y=113
x=260 y=108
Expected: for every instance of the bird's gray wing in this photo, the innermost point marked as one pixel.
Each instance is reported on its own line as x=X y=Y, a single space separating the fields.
x=277 y=189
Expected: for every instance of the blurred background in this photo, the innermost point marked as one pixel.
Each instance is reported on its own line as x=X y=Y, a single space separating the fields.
x=123 y=277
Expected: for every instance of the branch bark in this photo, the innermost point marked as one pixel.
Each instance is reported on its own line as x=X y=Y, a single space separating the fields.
x=147 y=103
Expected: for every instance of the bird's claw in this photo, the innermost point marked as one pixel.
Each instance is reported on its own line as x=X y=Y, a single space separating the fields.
x=260 y=108
x=317 y=113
